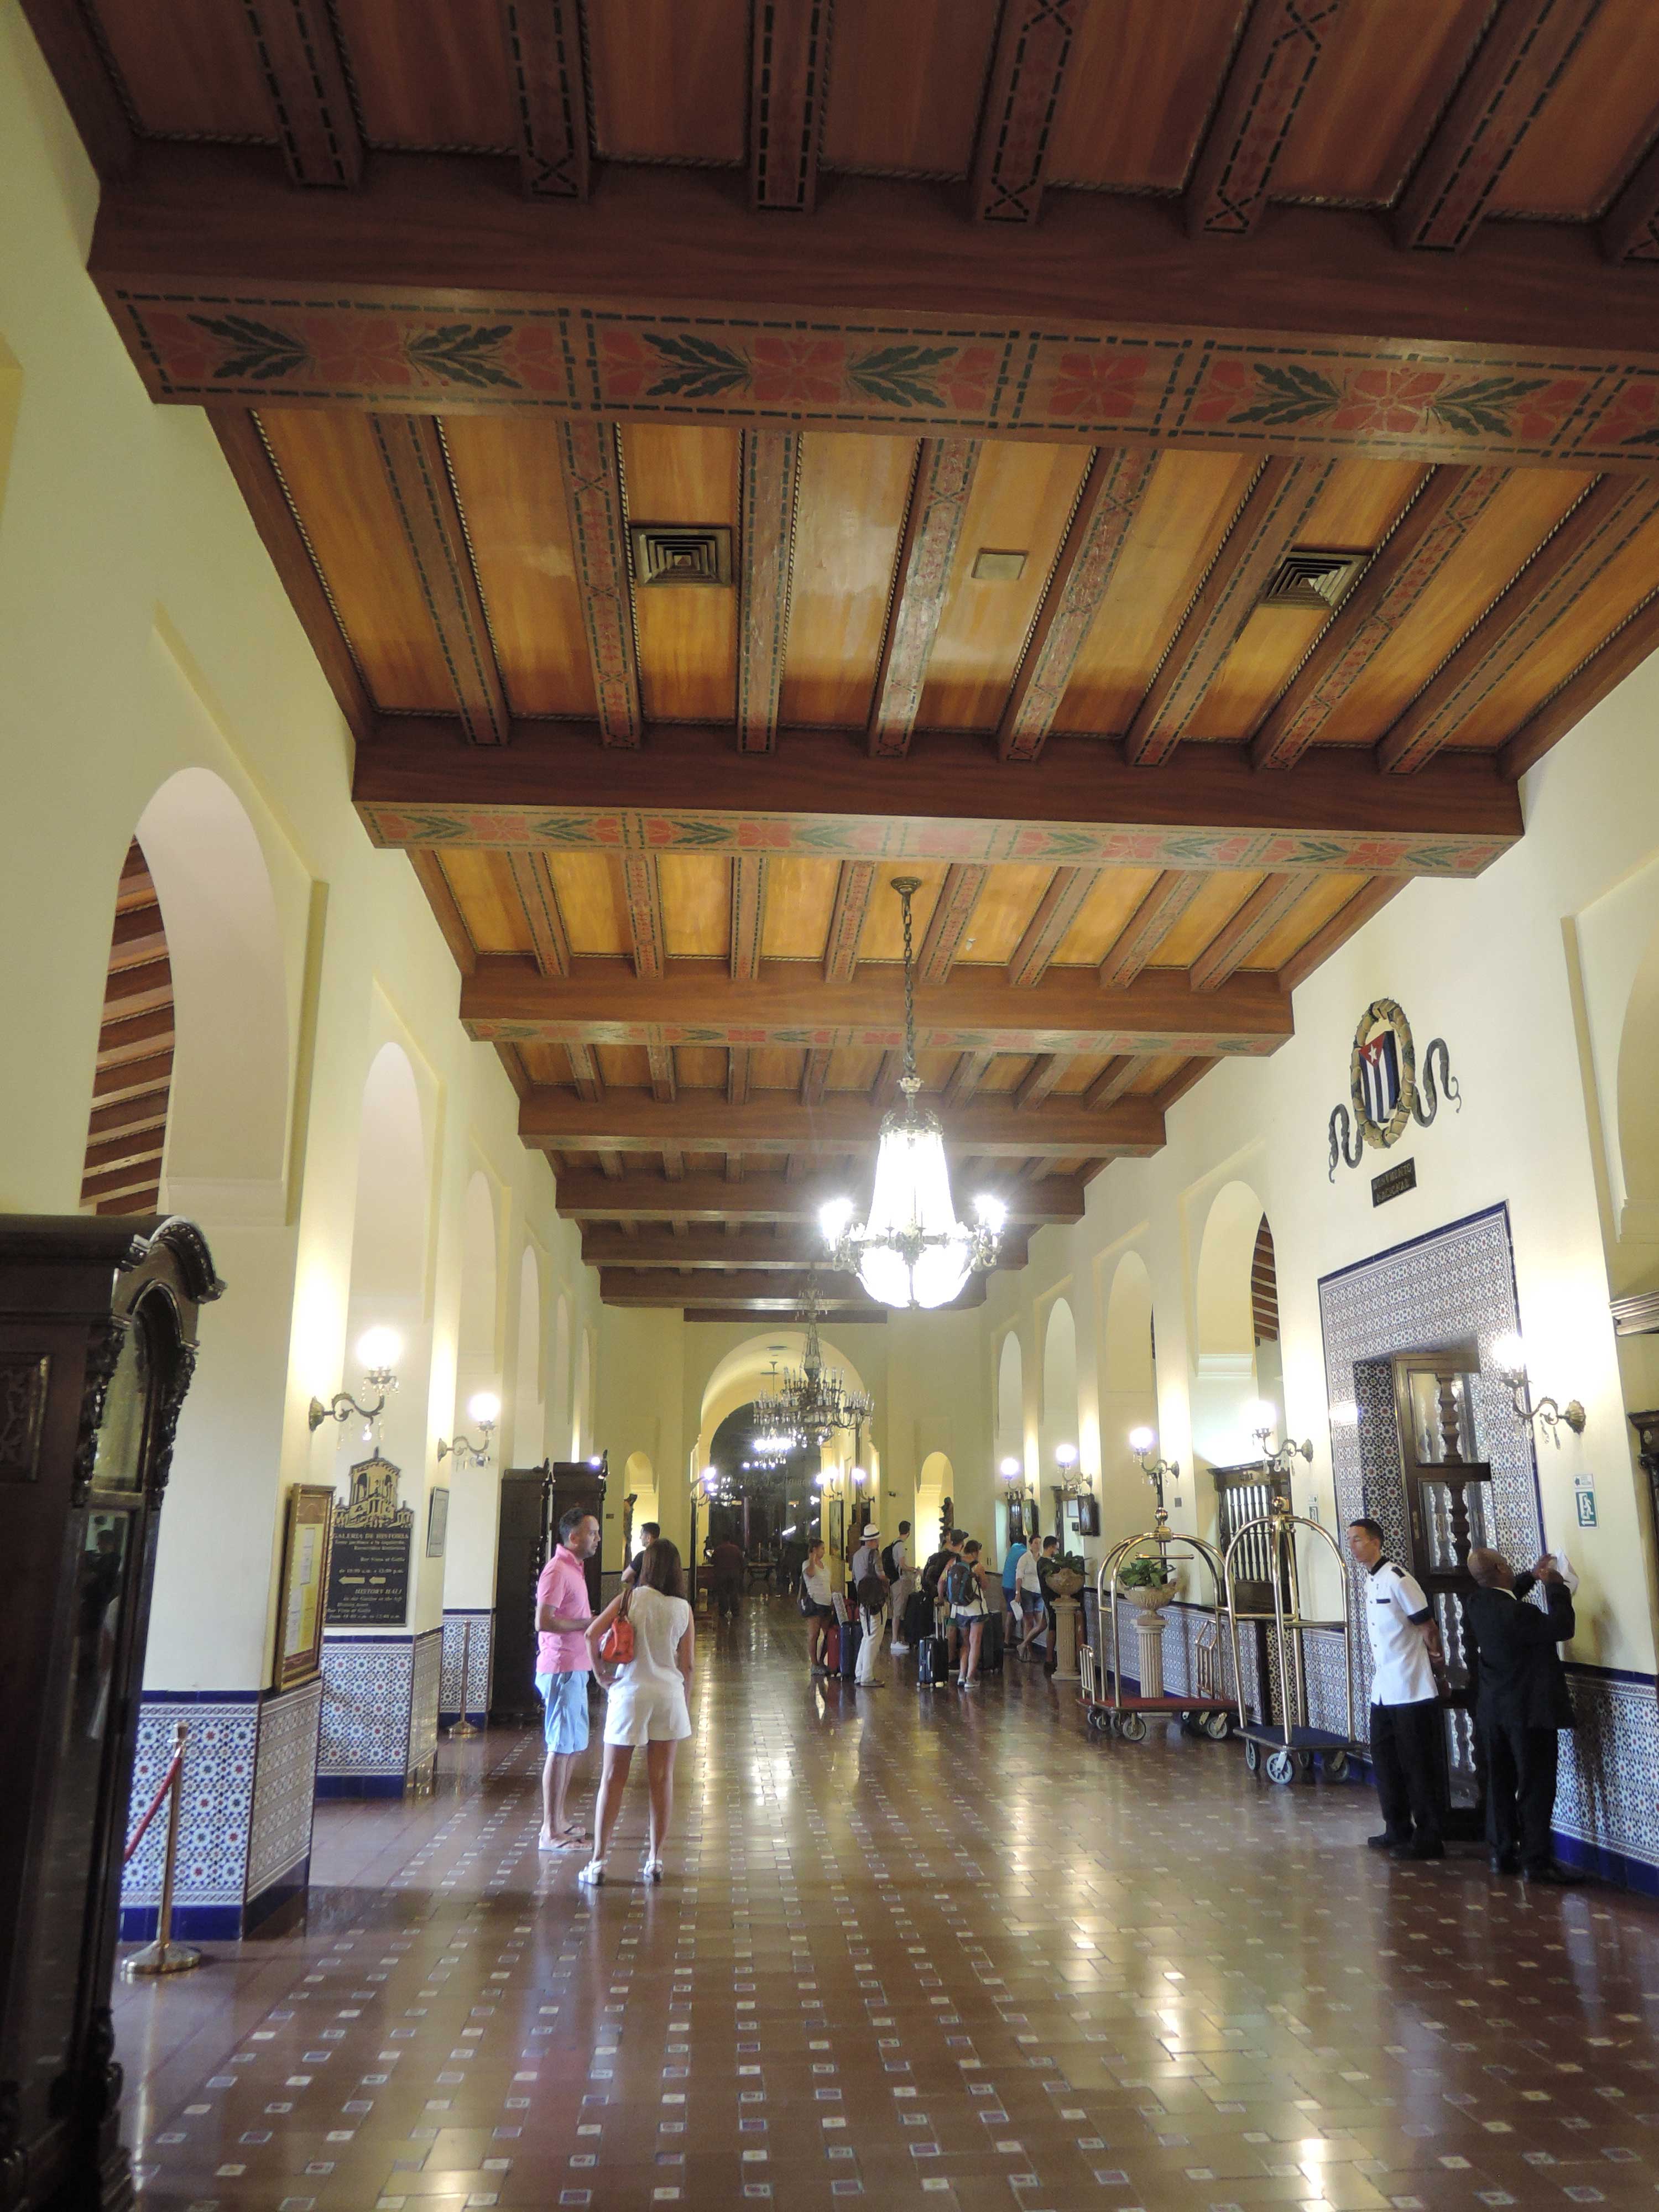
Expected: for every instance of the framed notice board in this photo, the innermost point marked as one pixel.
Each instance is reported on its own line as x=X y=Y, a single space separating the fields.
x=307 y=1535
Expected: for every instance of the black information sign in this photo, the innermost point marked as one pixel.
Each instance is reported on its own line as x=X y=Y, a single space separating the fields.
x=1394 y=1183
x=368 y=1575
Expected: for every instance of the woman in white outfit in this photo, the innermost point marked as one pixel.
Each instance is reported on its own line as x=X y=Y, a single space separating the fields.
x=646 y=1701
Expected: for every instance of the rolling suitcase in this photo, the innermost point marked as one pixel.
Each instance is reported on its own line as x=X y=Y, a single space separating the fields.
x=932 y=1663
x=851 y=1635
x=990 y=1645
x=918 y=1619
x=832 y=1649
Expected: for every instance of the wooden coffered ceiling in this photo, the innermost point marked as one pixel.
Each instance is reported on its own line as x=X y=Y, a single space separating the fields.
x=1014 y=345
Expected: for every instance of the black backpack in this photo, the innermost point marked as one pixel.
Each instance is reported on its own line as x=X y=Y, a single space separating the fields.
x=888 y=1566
x=931 y=1573
x=960 y=1585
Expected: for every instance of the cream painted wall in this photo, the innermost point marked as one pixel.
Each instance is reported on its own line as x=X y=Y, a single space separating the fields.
x=1526 y=973
x=143 y=631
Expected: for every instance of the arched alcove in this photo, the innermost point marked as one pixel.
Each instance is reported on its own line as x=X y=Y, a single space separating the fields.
x=1011 y=1400
x=1638 y=1094
x=1128 y=1398
x=1226 y=1385
x=563 y=1445
x=227 y=1123
x=474 y=1492
x=1058 y=1427
x=530 y=1383
x=935 y=1482
x=640 y=1483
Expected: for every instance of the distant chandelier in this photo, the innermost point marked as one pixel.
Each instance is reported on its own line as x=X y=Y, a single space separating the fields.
x=808 y=1405
x=912 y=1251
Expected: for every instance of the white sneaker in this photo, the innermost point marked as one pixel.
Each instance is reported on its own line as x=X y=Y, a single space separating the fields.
x=898 y=1650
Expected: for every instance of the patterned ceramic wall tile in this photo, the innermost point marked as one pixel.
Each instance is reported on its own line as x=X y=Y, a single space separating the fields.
x=479 y=1654
x=215 y=1800
x=1608 y=1791
x=285 y=1785
x=366 y=1705
x=423 y=1698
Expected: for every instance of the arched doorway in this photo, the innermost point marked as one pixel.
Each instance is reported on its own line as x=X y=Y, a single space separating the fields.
x=1226 y=1385
x=1128 y=1399
x=935 y=1482
x=474 y=1500
x=526 y=1442
x=1058 y=1428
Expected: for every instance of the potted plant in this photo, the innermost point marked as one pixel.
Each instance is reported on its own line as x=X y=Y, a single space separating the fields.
x=1148 y=1581
x=1067 y=1574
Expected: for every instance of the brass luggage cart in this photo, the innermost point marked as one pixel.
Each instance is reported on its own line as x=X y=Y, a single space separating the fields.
x=1290 y=1744
x=1107 y=1705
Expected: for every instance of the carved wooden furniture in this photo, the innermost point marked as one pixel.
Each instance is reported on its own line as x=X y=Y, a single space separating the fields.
x=524 y=1543
x=97 y=1344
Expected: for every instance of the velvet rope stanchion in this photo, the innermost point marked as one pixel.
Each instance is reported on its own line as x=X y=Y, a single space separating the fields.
x=164 y=1956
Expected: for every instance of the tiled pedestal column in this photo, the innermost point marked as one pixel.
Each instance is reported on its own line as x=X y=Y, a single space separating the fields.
x=380 y=1728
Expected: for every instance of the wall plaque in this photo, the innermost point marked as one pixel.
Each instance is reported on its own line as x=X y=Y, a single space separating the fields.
x=374 y=1535
x=1394 y=1183
x=1385 y=1087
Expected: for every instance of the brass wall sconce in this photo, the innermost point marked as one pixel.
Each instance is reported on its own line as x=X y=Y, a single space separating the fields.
x=485 y=1408
x=1264 y=1419
x=1509 y=1357
x=1143 y=1443
x=377 y=1349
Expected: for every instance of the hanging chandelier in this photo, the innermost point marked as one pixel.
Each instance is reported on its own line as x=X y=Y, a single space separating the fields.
x=808 y=1405
x=912 y=1251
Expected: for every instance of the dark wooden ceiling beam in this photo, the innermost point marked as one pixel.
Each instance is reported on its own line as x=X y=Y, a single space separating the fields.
x=606 y=1246
x=1032 y=1202
x=775 y=1123
x=230 y=288
x=1106 y=508
x=544 y=41
x=1607 y=667
x=1270 y=71
x=759 y=1292
x=771 y=469
x=1432 y=528
x=737 y=1075
x=533 y=879
x=1179 y=1084
x=1039 y=1080
x=748 y=914
x=1022 y=100
x=933 y=526
x=417 y=469
x=446 y=909
x=299 y=63
x=789 y=56
x=1368 y=900
x=128 y=1079
x=1043 y=935
x=659 y=1059
x=698 y=1002
x=1526 y=48
x=144 y=1109
x=1238 y=937
x=65 y=39
x=1567 y=566
x=416 y=787
x=1148 y=926
x=883 y=1093
x=598 y=540
x=1113 y=1082
x=1629 y=231
x=948 y=924
x=966 y=1076
x=266 y=496
x=854 y=887
x=1268 y=523
x=814 y=1075
x=642 y=902
x=585 y=1073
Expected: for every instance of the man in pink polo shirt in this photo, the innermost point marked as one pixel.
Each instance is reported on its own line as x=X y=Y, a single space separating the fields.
x=563 y=1666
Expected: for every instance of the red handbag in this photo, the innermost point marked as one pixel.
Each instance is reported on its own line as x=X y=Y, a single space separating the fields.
x=617 y=1644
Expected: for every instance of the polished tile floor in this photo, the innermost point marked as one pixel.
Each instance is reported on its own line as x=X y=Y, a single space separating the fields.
x=910 y=1943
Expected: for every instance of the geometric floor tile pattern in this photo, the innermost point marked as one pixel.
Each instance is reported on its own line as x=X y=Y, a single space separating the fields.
x=916 y=1947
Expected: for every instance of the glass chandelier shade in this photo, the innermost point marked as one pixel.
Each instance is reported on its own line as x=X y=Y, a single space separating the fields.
x=810 y=1404
x=912 y=1250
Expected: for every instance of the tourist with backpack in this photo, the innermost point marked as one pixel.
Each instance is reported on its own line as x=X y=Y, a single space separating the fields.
x=932 y=1576
x=896 y=1566
x=970 y=1590
x=869 y=1590
x=816 y=1605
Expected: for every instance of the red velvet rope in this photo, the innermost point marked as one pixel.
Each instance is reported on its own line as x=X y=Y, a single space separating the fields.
x=155 y=1807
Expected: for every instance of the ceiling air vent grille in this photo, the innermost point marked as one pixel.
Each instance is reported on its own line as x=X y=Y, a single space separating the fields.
x=680 y=553
x=1306 y=578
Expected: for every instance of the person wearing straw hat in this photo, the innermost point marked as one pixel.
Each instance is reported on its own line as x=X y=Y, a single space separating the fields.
x=869 y=1586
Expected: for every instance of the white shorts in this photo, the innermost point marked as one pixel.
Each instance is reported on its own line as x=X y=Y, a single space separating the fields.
x=646 y=1712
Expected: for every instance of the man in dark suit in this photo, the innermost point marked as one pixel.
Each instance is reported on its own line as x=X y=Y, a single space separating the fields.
x=1522 y=1700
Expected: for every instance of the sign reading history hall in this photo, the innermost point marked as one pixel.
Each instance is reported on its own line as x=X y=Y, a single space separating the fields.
x=368 y=1574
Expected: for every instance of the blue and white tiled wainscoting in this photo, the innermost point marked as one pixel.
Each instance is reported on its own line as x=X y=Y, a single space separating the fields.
x=246 y=1794
x=380 y=1735
x=1454 y=1283
x=476 y=1650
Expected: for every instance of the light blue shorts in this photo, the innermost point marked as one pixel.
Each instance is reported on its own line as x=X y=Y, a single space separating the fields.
x=565 y=1720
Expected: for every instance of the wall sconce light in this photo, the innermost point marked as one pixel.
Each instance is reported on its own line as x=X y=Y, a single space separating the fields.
x=485 y=1408
x=1012 y=1473
x=1509 y=1357
x=860 y=1478
x=1143 y=1443
x=377 y=1349
x=1070 y=1483
x=1264 y=1419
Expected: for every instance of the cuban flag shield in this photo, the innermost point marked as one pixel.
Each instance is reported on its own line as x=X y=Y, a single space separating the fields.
x=1379 y=1075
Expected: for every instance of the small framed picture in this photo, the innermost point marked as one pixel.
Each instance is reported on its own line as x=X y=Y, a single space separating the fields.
x=437 y=1521
x=308 y=1541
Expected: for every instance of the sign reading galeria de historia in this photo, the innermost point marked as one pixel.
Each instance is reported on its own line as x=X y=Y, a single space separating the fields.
x=1387 y=1091
x=368 y=1570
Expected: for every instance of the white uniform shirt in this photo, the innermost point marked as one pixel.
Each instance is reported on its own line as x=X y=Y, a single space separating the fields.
x=1395 y=1608
x=1027 y=1581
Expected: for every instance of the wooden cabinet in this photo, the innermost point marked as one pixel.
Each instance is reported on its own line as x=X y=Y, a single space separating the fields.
x=97 y=1345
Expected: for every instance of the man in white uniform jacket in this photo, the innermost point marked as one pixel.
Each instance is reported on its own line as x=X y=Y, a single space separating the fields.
x=1405 y=1703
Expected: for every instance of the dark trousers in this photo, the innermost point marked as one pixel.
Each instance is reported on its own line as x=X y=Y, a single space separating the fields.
x=1520 y=1789
x=1405 y=1755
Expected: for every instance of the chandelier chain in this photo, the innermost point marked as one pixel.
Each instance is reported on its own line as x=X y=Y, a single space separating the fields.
x=909 y=988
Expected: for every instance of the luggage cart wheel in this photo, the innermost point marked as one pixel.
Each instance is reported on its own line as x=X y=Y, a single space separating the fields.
x=1336 y=1766
x=1096 y=1720
x=1304 y=1764
x=1252 y=1753
x=1133 y=1729
x=1281 y=1767
x=1216 y=1726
